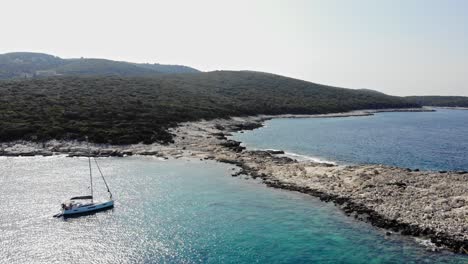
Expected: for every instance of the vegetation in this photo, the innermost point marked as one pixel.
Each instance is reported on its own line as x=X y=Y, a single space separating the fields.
x=27 y=65
x=164 y=68
x=22 y=64
x=91 y=67
x=447 y=101
x=135 y=109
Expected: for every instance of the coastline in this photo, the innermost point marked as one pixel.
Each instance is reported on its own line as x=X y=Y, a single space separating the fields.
x=449 y=107
x=417 y=203
x=77 y=148
x=433 y=205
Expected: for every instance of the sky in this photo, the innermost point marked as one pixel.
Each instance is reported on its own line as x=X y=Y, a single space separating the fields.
x=400 y=47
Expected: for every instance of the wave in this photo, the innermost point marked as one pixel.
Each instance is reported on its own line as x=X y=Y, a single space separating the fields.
x=301 y=157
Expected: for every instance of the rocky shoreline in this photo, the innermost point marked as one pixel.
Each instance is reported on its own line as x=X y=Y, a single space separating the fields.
x=432 y=205
x=451 y=108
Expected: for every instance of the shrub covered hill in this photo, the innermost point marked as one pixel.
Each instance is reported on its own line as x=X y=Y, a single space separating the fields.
x=128 y=110
x=447 y=101
x=20 y=65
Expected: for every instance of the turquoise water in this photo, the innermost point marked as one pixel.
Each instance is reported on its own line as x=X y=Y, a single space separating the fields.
x=427 y=140
x=180 y=211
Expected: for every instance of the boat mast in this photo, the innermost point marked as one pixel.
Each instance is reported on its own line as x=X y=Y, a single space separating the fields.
x=90 y=172
x=104 y=179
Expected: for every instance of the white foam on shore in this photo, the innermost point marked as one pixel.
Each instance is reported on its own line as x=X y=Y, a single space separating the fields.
x=427 y=244
x=301 y=157
x=292 y=155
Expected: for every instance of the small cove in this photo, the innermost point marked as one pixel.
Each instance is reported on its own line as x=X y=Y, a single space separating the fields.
x=181 y=211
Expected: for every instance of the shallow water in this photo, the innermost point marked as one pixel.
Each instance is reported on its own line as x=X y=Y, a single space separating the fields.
x=180 y=211
x=424 y=140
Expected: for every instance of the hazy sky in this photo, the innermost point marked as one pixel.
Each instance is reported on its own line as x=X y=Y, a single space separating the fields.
x=400 y=47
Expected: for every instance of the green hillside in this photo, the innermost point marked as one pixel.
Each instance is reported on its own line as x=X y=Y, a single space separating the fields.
x=130 y=110
x=168 y=68
x=25 y=64
x=21 y=65
x=97 y=67
x=443 y=101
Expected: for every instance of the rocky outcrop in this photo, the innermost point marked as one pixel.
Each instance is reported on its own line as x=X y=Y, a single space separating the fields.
x=233 y=145
x=424 y=204
x=274 y=151
x=246 y=126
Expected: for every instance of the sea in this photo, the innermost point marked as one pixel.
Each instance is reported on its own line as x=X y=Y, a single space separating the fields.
x=194 y=211
x=417 y=140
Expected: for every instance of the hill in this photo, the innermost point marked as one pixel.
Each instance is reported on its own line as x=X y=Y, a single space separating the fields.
x=25 y=64
x=102 y=67
x=128 y=110
x=29 y=65
x=370 y=91
x=443 y=101
x=168 y=68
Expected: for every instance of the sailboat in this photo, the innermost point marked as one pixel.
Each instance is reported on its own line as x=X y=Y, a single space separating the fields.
x=81 y=205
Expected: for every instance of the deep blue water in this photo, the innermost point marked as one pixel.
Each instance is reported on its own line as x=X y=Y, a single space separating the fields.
x=426 y=140
x=180 y=211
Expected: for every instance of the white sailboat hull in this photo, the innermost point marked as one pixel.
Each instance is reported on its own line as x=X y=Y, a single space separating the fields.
x=88 y=208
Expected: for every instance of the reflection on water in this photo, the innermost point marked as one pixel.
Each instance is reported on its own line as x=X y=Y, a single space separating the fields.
x=181 y=211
